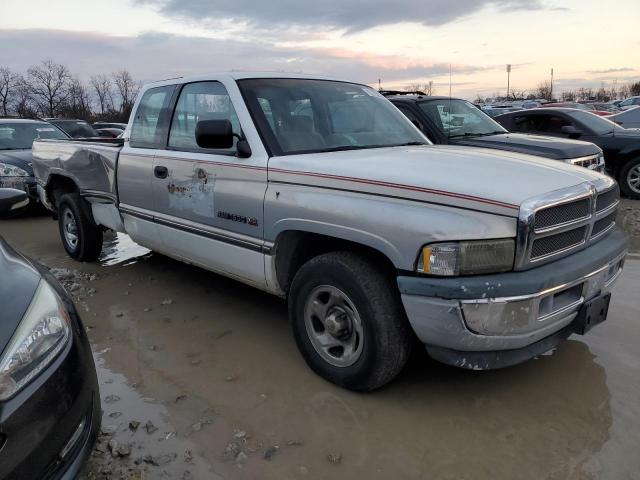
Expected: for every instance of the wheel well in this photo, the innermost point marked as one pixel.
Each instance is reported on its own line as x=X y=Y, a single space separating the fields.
x=57 y=186
x=294 y=248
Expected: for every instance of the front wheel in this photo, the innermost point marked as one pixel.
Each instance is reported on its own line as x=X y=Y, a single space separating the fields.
x=348 y=321
x=81 y=237
x=629 y=178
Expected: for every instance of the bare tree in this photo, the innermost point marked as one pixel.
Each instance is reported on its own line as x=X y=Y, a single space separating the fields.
x=127 y=89
x=49 y=84
x=634 y=89
x=517 y=94
x=102 y=86
x=544 y=90
x=624 y=92
x=78 y=102
x=23 y=102
x=9 y=82
x=426 y=88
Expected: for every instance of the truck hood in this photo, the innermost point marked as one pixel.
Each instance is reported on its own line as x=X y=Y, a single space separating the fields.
x=17 y=158
x=548 y=147
x=487 y=180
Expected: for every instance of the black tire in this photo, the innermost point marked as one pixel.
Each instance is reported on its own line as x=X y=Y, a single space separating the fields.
x=88 y=244
x=623 y=178
x=386 y=334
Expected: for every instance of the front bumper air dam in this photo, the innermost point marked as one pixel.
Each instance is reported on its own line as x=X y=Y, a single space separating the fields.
x=493 y=321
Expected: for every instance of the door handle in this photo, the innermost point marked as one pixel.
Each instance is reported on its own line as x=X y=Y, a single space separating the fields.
x=160 y=171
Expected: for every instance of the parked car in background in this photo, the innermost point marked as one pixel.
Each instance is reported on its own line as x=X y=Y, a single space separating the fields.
x=322 y=192
x=495 y=110
x=453 y=121
x=74 y=128
x=621 y=146
x=49 y=399
x=110 y=132
x=629 y=118
x=605 y=107
x=16 y=139
x=629 y=102
x=98 y=125
x=587 y=107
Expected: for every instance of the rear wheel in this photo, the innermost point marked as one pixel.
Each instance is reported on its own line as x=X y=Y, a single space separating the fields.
x=81 y=237
x=348 y=321
x=629 y=178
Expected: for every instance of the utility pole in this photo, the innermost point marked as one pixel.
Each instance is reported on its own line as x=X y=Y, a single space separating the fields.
x=551 y=89
x=508 y=78
x=379 y=84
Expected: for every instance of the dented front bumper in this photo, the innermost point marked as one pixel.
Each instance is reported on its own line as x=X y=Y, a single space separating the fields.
x=492 y=321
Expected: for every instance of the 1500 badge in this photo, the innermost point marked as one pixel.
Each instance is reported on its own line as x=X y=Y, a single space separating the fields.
x=238 y=218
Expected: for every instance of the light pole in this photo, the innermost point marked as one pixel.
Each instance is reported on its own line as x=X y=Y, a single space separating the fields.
x=551 y=89
x=508 y=78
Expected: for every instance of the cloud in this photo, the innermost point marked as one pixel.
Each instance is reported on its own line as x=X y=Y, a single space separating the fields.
x=346 y=15
x=167 y=55
x=612 y=70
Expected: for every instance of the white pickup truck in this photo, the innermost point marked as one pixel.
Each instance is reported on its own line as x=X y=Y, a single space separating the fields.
x=322 y=192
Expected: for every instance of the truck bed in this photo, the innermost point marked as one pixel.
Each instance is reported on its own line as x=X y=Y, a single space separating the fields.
x=90 y=163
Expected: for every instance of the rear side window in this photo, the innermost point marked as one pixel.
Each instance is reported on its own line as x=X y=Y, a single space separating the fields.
x=200 y=101
x=151 y=119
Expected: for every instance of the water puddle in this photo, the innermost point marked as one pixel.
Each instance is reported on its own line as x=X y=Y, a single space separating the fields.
x=119 y=249
x=137 y=440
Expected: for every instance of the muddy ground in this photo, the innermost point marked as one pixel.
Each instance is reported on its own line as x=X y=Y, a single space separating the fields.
x=200 y=379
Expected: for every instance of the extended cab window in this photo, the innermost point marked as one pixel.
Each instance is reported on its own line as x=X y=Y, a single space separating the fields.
x=200 y=101
x=149 y=127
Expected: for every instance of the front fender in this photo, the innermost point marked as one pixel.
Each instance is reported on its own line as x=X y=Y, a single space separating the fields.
x=398 y=228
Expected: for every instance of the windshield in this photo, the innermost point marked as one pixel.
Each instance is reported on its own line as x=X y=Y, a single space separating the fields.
x=598 y=125
x=76 y=128
x=459 y=118
x=306 y=116
x=20 y=136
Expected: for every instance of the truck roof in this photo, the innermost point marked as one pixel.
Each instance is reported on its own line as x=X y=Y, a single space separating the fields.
x=241 y=75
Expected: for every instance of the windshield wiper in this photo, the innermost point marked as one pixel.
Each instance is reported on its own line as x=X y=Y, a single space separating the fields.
x=346 y=147
x=408 y=144
x=484 y=134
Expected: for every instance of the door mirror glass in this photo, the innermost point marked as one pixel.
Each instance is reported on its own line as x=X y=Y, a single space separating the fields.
x=12 y=199
x=214 y=134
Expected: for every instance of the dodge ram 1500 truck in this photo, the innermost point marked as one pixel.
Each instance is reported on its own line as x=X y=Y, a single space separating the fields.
x=322 y=192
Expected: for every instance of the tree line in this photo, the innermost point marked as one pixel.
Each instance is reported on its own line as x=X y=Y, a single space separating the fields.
x=545 y=91
x=49 y=89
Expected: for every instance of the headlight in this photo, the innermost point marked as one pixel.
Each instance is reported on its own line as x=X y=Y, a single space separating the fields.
x=39 y=338
x=467 y=258
x=7 y=170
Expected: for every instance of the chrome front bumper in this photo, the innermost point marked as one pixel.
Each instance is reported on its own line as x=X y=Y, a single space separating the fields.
x=454 y=314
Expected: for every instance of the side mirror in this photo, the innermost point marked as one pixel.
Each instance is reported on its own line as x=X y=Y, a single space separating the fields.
x=219 y=134
x=214 y=134
x=570 y=131
x=12 y=199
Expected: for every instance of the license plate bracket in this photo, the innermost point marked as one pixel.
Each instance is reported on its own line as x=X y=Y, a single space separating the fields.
x=592 y=313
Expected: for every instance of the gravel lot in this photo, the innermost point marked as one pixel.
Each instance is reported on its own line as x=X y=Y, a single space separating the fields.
x=200 y=379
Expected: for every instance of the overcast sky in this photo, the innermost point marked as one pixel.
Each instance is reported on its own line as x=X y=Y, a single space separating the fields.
x=587 y=42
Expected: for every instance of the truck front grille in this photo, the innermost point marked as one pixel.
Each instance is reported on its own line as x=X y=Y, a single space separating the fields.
x=556 y=243
x=565 y=221
x=592 y=162
x=603 y=224
x=607 y=199
x=562 y=214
